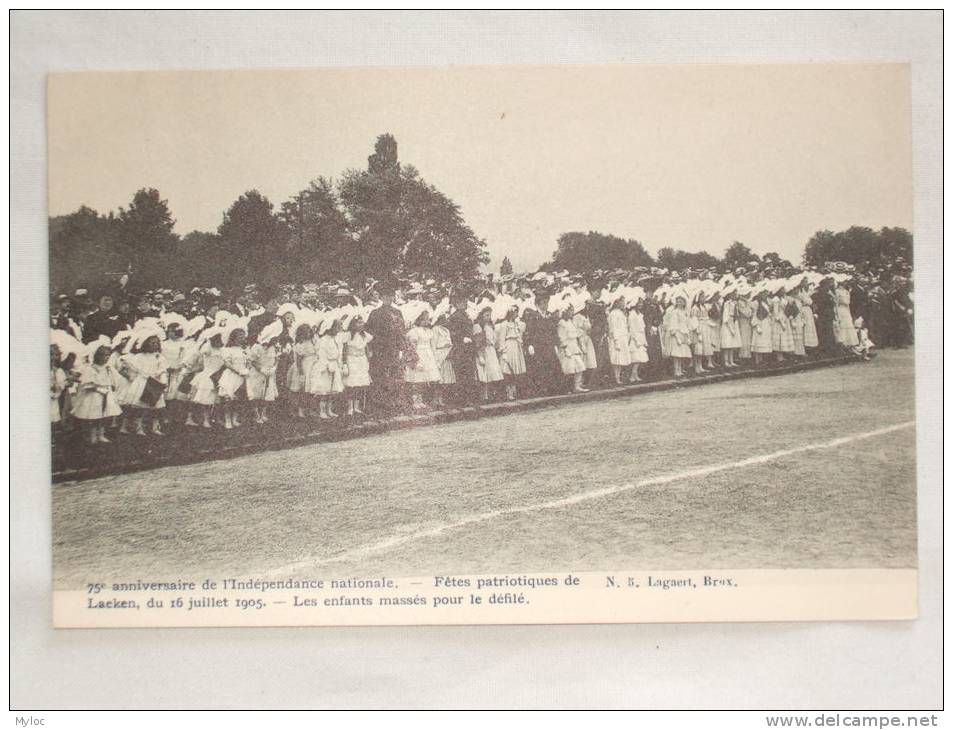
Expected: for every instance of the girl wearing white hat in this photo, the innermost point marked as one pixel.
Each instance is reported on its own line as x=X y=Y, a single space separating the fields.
x=326 y=379
x=805 y=302
x=442 y=347
x=570 y=354
x=148 y=380
x=762 y=327
x=304 y=354
x=617 y=331
x=509 y=347
x=262 y=382
x=638 y=342
x=586 y=346
x=744 y=311
x=701 y=334
x=205 y=384
x=730 y=334
x=95 y=400
x=844 y=331
x=678 y=323
x=232 y=390
x=783 y=338
x=421 y=369
x=486 y=361
x=58 y=383
x=356 y=363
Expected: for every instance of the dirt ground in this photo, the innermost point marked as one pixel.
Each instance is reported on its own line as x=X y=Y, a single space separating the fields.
x=521 y=492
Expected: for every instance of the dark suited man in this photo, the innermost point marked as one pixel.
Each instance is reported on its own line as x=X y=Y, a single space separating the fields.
x=386 y=325
x=461 y=355
x=107 y=320
x=257 y=323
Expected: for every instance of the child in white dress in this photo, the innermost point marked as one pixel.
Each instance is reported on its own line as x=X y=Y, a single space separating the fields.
x=303 y=356
x=486 y=361
x=620 y=352
x=442 y=346
x=95 y=400
x=232 y=391
x=571 y=359
x=205 y=384
x=326 y=379
x=509 y=348
x=638 y=343
x=356 y=357
x=148 y=380
x=262 y=370
x=423 y=372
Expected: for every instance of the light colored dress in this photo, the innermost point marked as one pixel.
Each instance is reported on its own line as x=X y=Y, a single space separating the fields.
x=701 y=332
x=487 y=363
x=442 y=345
x=570 y=355
x=584 y=326
x=94 y=397
x=509 y=347
x=744 y=311
x=172 y=351
x=783 y=339
x=638 y=344
x=236 y=370
x=805 y=300
x=730 y=333
x=617 y=329
x=120 y=382
x=425 y=368
x=844 y=331
x=142 y=366
x=303 y=356
x=355 y=356
x=204 y=389
x=57 y=386
x=678 y=324
x=714 y=327
x=262 y=384
x=796 y=323
x=762 y=328
x=326 y=377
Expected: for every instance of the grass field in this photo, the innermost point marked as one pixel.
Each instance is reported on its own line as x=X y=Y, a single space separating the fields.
x=646 y=482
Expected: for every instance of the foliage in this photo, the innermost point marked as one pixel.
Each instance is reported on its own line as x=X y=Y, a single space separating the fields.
x=581 y=252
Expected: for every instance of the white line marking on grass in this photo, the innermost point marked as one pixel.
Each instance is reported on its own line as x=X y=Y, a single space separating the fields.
x=703 y=471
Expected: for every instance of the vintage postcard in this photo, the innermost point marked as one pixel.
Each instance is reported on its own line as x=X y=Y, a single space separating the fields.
x=514 y=344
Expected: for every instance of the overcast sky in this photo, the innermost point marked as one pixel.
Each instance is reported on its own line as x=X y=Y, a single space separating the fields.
x=687 y=156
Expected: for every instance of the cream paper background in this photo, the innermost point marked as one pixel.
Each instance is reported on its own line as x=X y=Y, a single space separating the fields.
x=655 y=666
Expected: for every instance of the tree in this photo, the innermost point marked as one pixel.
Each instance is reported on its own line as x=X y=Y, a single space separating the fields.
x=506 y=268
x=863 y=247
x=85 y=249
x=401 y=225
x=676 y=260
x=318 y=244
x=593 y=251
x=146 y=230
x=737 y=254
x=201 y=256
x=252 y=240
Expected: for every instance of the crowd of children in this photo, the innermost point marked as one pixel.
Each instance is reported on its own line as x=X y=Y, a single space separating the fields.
x=410 y=349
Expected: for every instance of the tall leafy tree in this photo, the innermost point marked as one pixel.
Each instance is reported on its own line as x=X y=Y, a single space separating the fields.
x=318 y=243
x=252 y=240
x=506 y=268
x=402 y=225
x=145 y=230
x=592 y=251
x=737 y=254
x=676 y=259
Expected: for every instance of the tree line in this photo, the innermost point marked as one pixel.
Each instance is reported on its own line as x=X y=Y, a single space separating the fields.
x=378 y=223
x=862 y=247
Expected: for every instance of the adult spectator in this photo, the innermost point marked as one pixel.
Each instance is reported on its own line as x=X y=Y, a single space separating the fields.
x=386 y=325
